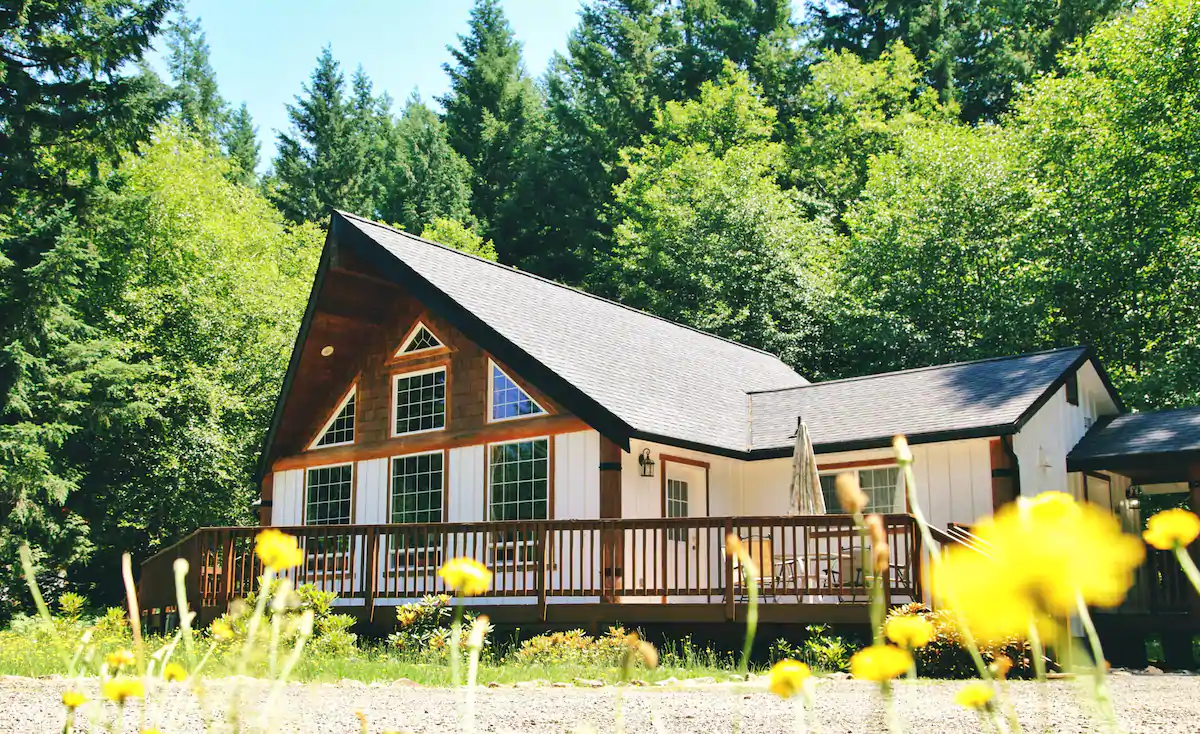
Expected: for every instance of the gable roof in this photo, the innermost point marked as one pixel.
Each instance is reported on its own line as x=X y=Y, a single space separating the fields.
x=622 y=370
x=1137 y=436
x=986 y=397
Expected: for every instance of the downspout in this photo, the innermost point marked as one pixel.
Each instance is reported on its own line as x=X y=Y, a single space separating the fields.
x=1006 y=444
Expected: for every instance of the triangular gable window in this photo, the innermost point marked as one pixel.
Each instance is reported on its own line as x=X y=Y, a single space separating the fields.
x=420 y=340
x=340 y=428
x=507 y=400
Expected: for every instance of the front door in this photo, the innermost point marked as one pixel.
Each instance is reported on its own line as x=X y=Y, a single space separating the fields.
x=686 y=549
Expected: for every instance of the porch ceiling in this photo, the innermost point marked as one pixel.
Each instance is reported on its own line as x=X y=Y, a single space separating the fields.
x=1159 y=446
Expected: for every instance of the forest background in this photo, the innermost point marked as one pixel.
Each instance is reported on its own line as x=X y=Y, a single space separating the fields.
x=857 y=186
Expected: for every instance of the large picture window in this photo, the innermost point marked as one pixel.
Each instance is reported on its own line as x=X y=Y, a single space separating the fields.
x=880 y=485
x=417 y=484
x=519 y=481
x=519 y=489
x=329 y=495
x=420 y=401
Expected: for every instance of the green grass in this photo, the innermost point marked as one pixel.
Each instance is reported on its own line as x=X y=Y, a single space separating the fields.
x=31 y=655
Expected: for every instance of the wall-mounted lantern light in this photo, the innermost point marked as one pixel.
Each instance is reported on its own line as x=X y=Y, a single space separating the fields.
x=1132 y=497
x=326 y=350
x=646 y=463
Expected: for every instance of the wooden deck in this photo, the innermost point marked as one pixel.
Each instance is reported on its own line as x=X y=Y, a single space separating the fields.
x=578 y=572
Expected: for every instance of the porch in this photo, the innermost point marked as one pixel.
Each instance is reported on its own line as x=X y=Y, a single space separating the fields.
x=576 y=572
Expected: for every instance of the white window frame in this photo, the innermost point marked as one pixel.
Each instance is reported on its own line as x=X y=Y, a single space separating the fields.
x=329 y=423
x=424 y=557
x=492 y=366
x=396 y=377
x=353 y=478
x=514 y=560
x=412 y=334
x=674 y=533
x=857 y=473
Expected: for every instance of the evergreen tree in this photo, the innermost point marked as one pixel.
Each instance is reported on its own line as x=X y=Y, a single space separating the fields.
x=977 y=52
x=373 y=129
x=429 y=179
x=240 y=141
x=322 y=164
x=72 y=100
x=601 y=96
x=491 y=112
x=200 y=105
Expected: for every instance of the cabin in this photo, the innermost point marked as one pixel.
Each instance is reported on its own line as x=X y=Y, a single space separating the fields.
x=596 y=457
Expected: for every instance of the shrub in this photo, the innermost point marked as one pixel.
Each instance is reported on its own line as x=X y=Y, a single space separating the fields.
x=423 y=628
x=947 y=657
x=820 y=650
x=574 y=647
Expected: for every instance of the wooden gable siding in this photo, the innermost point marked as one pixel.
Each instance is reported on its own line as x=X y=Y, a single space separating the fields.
x=366 y=320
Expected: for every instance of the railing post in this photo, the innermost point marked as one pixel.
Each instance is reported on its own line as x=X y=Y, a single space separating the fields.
x=193 y=551
x=227 y=568
x=539 y=581
x=729 y=583
x=371 y=566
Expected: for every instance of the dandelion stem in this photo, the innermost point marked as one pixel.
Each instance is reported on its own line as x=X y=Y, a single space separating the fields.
x=1188 y=566
x=135 y=616
x=1099 y=678
x=1038 y=651
x=455 y=633
x=801 y=726
x=181 y=601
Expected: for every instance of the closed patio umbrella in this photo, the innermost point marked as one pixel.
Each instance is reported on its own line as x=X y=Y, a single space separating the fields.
x=806 y=496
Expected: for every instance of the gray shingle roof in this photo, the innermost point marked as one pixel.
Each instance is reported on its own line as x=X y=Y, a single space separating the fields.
x=661 y=378
x=1131 y=434
x=964 y=397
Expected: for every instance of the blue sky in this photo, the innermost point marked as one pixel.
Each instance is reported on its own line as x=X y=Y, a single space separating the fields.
x=263 y=50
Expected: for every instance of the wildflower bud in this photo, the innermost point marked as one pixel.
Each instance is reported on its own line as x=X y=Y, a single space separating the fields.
x=900 y=447
x=880 y=553
x=736 y=548
x=648 y=654
x=181 y=566
x=850 y=496
x=1000 y=666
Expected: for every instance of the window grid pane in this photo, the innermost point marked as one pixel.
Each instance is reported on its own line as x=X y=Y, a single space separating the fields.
x=508 y=399
x=878 y=484
x=677 y=506
x=520 y=484
x=417 y=488
x=342 y=428
x=421 y=402
x=423 y=339
x=329 y=495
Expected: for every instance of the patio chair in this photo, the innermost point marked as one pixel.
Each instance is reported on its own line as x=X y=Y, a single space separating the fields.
x=762 y=551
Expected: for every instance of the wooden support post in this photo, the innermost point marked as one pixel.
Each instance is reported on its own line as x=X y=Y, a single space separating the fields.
x=226 y=591
x=729 y=582
x=540 y=566
x=371 y=564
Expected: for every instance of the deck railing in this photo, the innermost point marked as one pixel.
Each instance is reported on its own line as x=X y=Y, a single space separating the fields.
x=803 y=558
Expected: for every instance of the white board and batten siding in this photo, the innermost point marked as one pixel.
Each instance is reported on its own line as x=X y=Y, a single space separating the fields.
x=954 y=480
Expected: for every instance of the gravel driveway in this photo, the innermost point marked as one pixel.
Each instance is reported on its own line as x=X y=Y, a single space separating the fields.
x=1167 y=703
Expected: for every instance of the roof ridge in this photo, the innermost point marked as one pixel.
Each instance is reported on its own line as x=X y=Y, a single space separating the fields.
x=910 y=370
x=511 y=269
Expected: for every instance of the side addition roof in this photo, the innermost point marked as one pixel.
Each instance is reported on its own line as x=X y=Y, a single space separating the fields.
x=964 y=400
x=658 y=379
x=1137 y=437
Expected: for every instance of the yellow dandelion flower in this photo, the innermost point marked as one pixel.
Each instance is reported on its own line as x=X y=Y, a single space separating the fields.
x=880 y=663
x=278 y=550
x=975 y=695
x=73 y=699
x=1172 y=528
x=1000 y=666
x=787 y=678
x=1042 y=555
x=119 y=659
x=152 y=730
x=221 y=630
x=466 y=576
x=174 y=672
x=120 y=689
x=909 y=630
